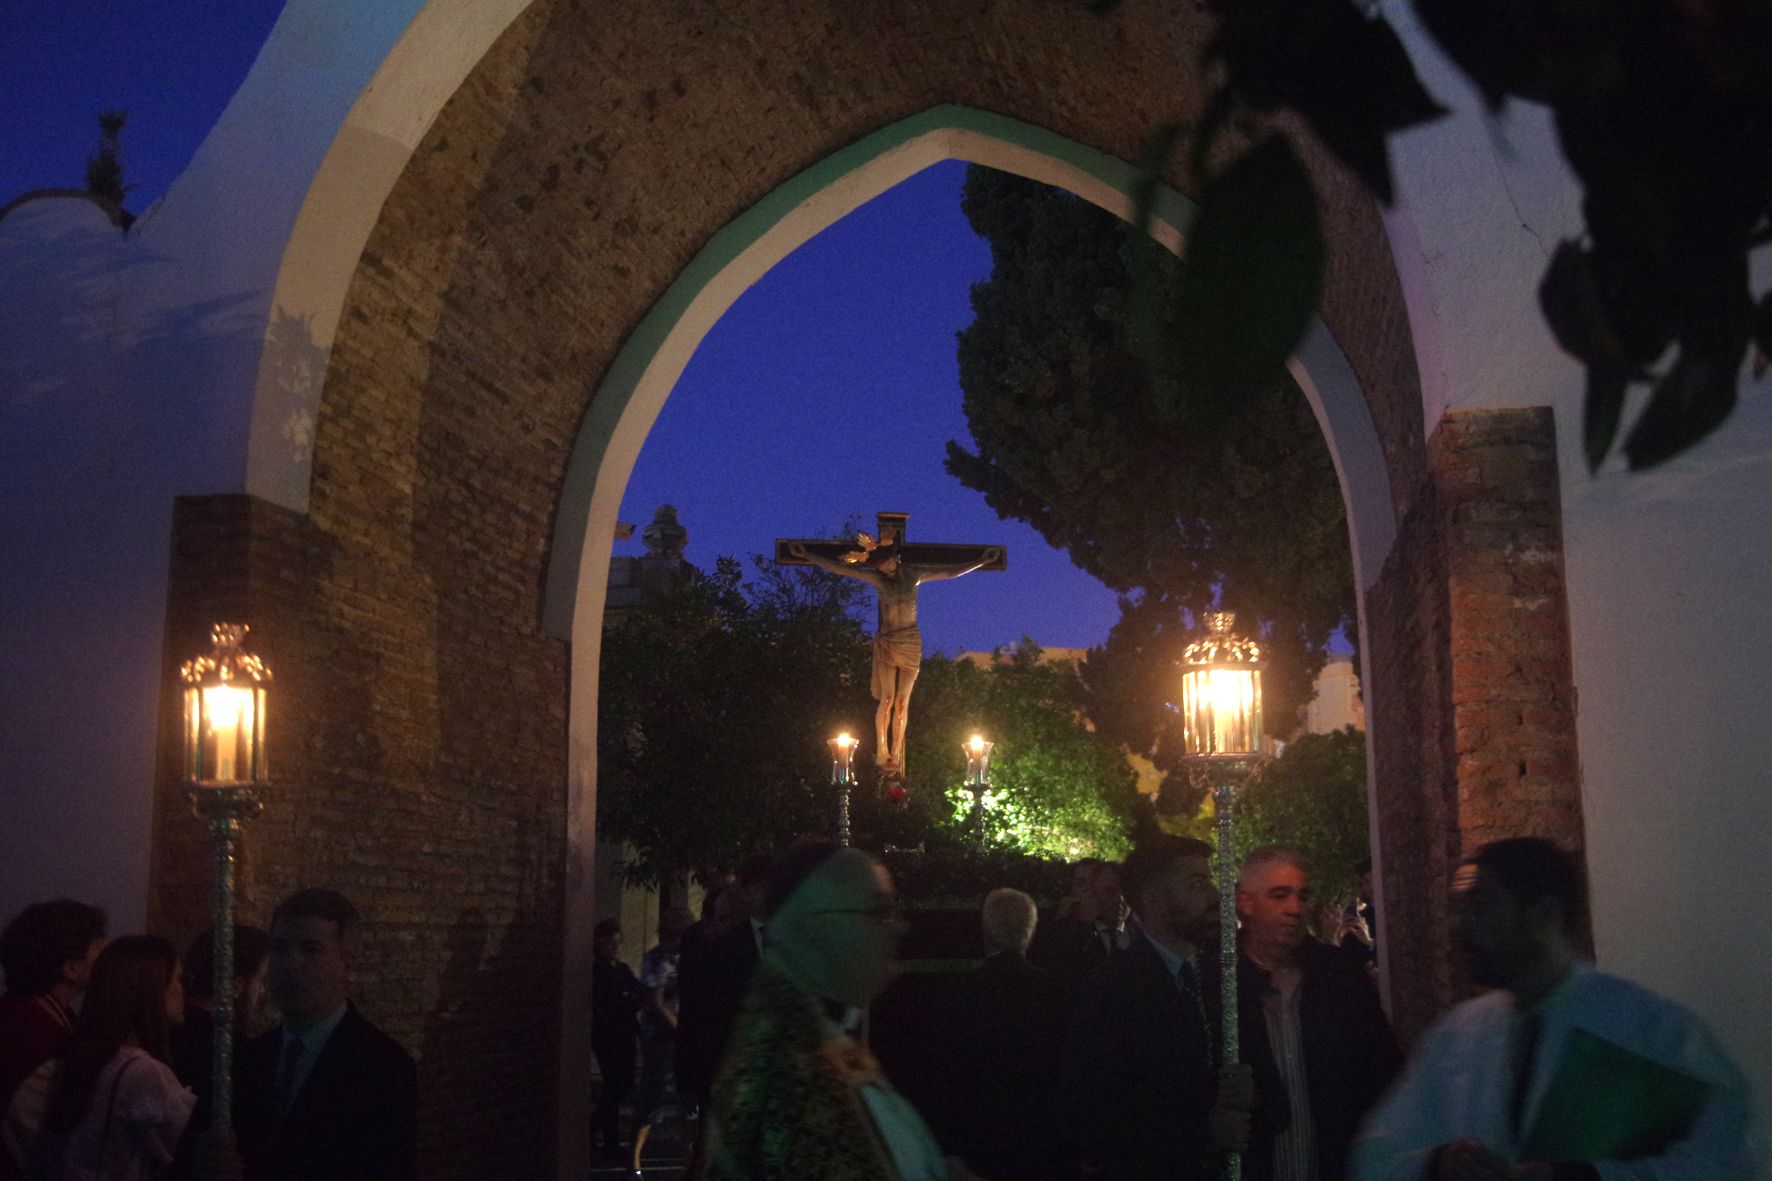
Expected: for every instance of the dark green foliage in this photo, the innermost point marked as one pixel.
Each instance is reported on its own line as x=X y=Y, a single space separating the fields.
x=717 y=698
x=1301 y=55
x=1254 y=265
x=1173 y=497
x=1663 y=111
x=104 y=171
x=1312 y=796
x=715 y=703
x=1058 y=789
x=963 y=875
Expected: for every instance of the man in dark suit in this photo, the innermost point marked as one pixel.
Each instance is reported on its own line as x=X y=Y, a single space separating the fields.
x=1310 y=1015
x=1148 y=1098
x=999 y=1110
x=325 y=1094
x=1089 y=926
x=713 y=978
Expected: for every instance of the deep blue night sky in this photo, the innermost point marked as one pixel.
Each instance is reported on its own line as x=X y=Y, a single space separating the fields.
x=171 y=64
x=828 y=391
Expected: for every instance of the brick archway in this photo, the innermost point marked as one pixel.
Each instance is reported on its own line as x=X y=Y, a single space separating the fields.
x=441 y=766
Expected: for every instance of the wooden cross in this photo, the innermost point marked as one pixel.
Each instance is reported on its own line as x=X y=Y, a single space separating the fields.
x=892 y=530
x=894 y=568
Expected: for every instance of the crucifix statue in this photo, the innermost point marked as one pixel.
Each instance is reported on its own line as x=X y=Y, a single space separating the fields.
x=894 y=568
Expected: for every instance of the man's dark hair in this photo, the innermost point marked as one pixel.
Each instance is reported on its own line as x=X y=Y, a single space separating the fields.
x=1532 y=869
x=1085 y=867
x=316 y=903
x=755 y=870
x=251 y=945
x=1154 y=858
x=794 y=867
x=605 y=928
x=42 y=939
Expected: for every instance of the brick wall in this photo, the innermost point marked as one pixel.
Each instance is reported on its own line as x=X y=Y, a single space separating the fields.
x=1473 y=710
x=418 y=739
x=418 y=765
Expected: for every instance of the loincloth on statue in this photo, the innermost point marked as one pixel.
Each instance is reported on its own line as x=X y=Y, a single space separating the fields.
x=901 y=648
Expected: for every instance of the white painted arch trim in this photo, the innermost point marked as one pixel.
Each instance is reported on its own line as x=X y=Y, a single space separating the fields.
x=428 y=63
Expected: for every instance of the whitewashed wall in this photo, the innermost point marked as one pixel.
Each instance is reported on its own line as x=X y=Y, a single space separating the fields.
x=127 y=369
x=1669 y=573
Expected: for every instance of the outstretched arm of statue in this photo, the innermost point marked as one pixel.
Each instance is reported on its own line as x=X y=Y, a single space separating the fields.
x=831 y=565
x=936 y=573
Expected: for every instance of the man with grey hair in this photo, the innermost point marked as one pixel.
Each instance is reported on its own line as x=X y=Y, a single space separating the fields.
x=1312 y=1015
x=1008 y=917
x=999 y=1108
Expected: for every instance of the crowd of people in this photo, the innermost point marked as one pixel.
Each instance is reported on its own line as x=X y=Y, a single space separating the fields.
x=1087 y=1046
x=105 y=1054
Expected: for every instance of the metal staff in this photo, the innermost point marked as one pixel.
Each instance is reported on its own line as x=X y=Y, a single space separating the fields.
x=1221 y=732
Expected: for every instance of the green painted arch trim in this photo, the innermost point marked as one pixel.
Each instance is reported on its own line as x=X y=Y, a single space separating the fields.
x=1319 y=365
x=638 y=352
x=747 y=228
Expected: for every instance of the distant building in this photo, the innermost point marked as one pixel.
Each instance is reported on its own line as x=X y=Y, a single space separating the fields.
x=1338 y=703
x=1005 y=655
x=633 y=580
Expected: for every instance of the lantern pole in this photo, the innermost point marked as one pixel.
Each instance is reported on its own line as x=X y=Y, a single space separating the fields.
x=1221 y=716
x=224 y=766
x=843 y=779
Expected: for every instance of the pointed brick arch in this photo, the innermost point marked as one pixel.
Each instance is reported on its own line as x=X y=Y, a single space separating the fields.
x=576 y=215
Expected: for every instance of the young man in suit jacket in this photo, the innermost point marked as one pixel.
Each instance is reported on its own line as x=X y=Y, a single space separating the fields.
x=1148 y=1098
x=325 y=1094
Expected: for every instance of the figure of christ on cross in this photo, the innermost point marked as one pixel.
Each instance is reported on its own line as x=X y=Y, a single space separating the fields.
x=894 y=569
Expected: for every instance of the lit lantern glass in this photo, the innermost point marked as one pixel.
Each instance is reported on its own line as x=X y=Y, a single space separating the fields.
x=225 y=711
x=1221 y=692
x=842 y=755
x=978 y=760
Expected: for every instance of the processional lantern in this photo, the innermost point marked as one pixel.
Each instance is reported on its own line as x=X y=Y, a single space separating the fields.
x=1221 y=736
x=842 y=778
x=978 y=761
x=225 y=712
x=226 y=708
x=842 y=758
x=1221 y=693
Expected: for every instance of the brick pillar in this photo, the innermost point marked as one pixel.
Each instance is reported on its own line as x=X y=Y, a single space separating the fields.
x=1474 y=701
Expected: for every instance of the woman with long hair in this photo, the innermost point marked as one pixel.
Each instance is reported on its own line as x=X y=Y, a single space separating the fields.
x=115 y=1108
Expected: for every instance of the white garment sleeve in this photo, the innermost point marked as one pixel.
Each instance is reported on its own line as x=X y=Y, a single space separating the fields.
x=1398 y=1139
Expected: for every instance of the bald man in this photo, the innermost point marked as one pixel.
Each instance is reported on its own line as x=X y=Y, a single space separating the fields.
x=798 y=1097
